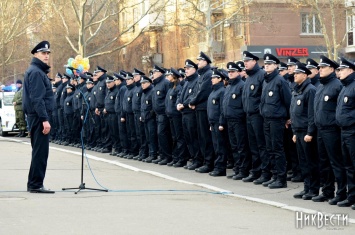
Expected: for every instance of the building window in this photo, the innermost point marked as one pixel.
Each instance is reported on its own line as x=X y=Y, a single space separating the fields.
x=310 y=24
x=350 y=29
x=218 y=33
x=185 y=42
x=136 y=15
x=124 y=20
x=236 y=29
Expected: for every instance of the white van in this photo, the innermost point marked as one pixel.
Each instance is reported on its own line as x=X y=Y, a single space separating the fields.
x=7 y=114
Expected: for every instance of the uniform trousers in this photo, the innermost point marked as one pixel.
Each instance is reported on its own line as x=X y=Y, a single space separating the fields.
x=205 y=138
x=260 y=162
x=143 y=148
x=238 y=139
x=189 y=124
x=331 y=161
x=112 y=121
x=150 y=127
x=274 y=131
x=68 y=123
x=122 y=132
x=164 y=137
x=348 y=150
x=219 y=139
x=40 y=151
x=308 y=162
x=180 y=152
x=132 y=135
x=61 y=132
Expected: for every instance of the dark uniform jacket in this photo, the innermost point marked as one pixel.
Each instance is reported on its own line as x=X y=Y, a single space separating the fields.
x=68 y=103
x=147 y=104
x=110 y=99
x=187 y=93
x=58 y=93
x=345 y=111
x=315 y=80
x=93 y=96
x=77 y=98
x=276 y=96
x=136 y=99
x=38 y=95
x=232 y=101
x=82 y=90
x=290 y=78
x=121 y=89
x=325 y=101
x=252 y=90
x=101 y=92
x=203 y=88
x=302 y=108
x=127 y=101
x=161 y=87
x=63 y=94
x=215 y=104
x=86 y=102
x=170 y=100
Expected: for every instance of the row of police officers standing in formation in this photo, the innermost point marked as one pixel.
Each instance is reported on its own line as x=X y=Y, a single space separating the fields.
x=283 y=121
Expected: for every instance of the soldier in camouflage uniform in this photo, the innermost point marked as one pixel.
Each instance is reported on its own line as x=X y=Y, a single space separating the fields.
x=20 y=116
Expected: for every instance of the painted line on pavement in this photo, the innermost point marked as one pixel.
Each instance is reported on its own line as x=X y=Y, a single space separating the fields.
x=203 y=185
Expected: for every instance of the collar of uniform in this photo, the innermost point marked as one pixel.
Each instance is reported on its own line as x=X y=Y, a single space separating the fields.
x=204 y=69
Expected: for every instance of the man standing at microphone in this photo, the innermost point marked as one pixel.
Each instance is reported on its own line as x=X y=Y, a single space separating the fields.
x=38 y=99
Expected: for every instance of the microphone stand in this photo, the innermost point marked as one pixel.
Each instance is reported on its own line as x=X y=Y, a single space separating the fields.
x=82 y=184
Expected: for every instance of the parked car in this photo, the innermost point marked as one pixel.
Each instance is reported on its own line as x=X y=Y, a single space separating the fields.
x=7 y=114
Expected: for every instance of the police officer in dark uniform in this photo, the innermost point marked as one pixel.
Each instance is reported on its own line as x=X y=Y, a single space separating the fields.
x=218 y=123
x=136 y=106
x=179 y=151
x=283 y=70
x=255 y=123
x=77 y=103
x=148 y=117
x=236 y=122
x=328 y=136
x=313 y=67
x=304 y=131
x=182 y=76
x=127 y=116
x=122 y=146
x=63 y=131
x=291 y=66
x=345 y=112
x=69 y=114
x=86 y=115
x=161 y=87
x=274 y=108
x=53 y=121
x=290 y=146
x=100 y=103
x=57 y=84
x=189 y=122
x=243 y=73
x=38 y=105
x=95 y=128
x=110 y=114
x=199 y=103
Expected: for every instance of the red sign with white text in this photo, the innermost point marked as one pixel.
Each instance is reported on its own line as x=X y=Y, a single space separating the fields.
x=291 y=51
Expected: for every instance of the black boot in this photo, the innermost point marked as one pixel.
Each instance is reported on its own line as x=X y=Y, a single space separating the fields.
x=22 y=134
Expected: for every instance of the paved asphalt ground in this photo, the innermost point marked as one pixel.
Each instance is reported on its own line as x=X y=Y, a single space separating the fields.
x=144 y=199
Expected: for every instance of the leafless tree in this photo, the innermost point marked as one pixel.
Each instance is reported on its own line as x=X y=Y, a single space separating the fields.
x=92 y=18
